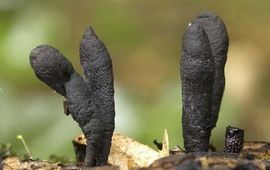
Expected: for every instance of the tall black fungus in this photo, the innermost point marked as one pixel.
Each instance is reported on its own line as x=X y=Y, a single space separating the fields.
x=219 y=42
x=197 y=76
x=90 y=102
x=202 y=87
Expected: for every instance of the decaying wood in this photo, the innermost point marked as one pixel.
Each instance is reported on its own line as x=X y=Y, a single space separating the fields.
x=255 y=155
x=127 y=153
x=12 y=163
x=256 y=150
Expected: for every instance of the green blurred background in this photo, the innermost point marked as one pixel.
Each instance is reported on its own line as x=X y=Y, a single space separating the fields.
x=144 y=40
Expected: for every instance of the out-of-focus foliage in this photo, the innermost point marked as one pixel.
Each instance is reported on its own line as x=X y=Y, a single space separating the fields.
x=6 y=150
x=144 y=40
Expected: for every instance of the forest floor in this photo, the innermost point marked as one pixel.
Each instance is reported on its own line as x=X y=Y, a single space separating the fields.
x=127 y=153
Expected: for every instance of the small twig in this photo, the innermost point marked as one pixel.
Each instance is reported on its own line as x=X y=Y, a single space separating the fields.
x=158 y=144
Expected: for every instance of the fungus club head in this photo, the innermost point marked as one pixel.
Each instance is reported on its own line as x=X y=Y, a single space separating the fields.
x=195 y=41
x=217 y=34
x=51 y=67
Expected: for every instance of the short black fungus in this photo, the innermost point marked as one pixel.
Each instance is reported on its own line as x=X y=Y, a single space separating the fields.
x=197 y=76
x=90 y=102
x=219 y=42
x=234 y=139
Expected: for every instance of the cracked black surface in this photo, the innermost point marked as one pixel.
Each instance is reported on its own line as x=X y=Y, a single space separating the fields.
x=234 y=139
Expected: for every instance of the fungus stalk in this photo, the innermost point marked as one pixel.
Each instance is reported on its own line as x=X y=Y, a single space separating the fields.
x=90 y=102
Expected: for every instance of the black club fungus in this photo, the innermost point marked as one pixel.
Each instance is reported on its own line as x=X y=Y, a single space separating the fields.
x=204 y=54
x=219 y=42
x=197 y=76
x=90 y=102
